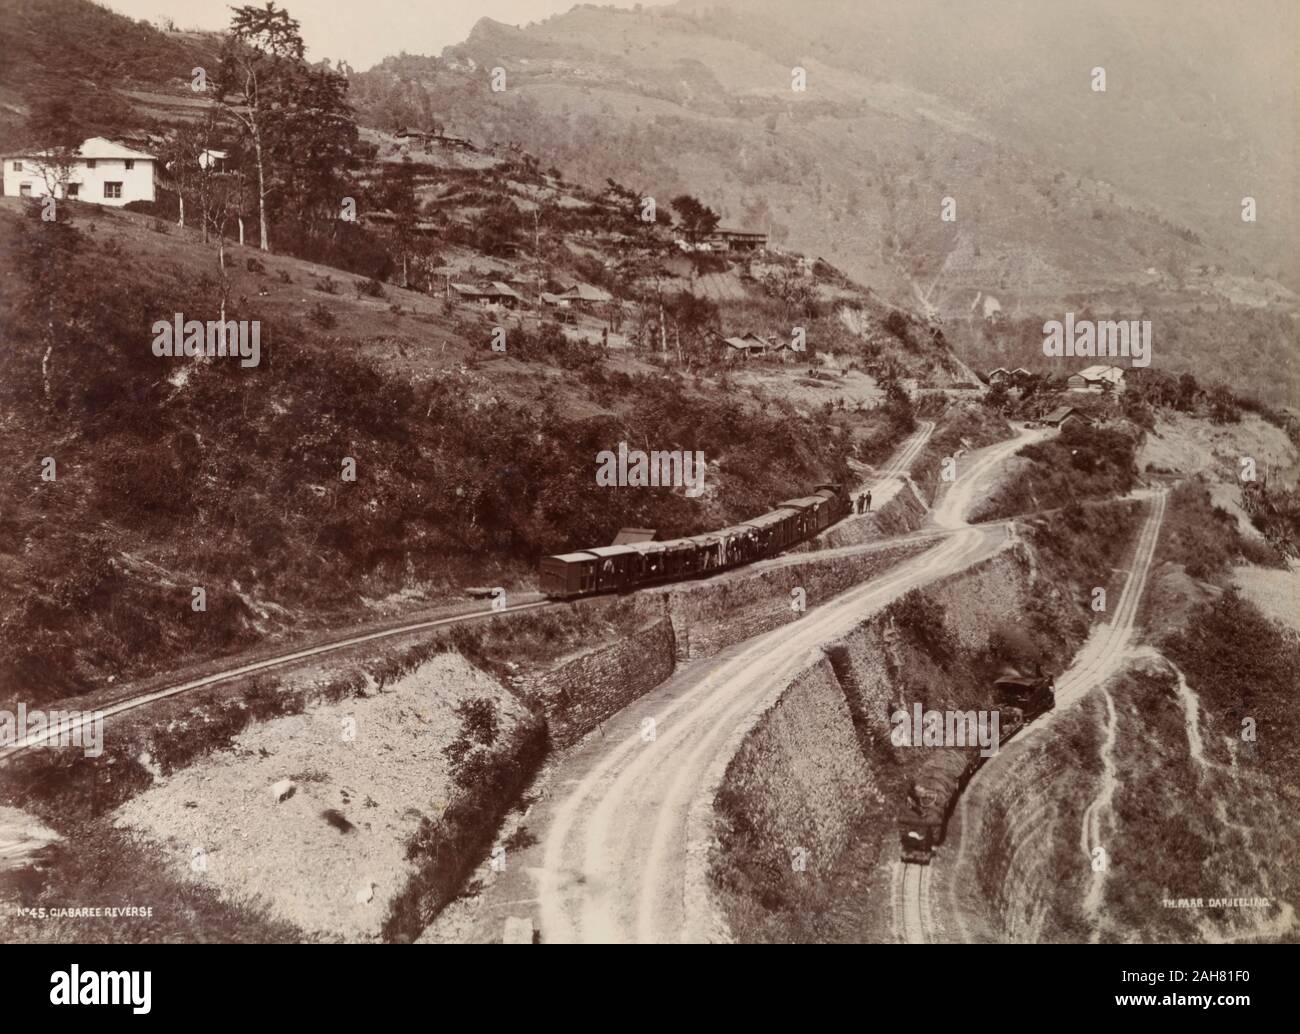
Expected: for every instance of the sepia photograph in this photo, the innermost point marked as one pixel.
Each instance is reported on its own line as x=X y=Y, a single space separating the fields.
x=703 y=472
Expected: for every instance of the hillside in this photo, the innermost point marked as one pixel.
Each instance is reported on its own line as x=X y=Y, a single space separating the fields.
x=73 y=64
x=854 y=169
x=473 y=420
x=171 y=474
x=289 y=650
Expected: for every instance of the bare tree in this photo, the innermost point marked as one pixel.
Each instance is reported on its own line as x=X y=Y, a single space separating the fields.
x=56 y=166
x=180 y=159
x=259 y=59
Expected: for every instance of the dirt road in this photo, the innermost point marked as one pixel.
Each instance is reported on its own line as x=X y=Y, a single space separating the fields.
x=1101 y=656
x=625 y=832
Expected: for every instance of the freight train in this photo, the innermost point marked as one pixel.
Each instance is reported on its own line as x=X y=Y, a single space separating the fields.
x=934 y=789
x=634 y=564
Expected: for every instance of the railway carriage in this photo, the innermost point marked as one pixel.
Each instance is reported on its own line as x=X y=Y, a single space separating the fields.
x=568 y=574
x=775 y=530
x=619 y=566
x=738 y=545
x=817 y=512
x=633 y=564
x=805 y=516
x=710 y=552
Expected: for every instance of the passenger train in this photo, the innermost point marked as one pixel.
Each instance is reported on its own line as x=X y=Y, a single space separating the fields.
x=634 y=564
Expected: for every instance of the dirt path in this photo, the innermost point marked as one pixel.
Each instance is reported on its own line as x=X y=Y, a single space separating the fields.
x=1091 y=835
x=888 y=480
x=901 y=462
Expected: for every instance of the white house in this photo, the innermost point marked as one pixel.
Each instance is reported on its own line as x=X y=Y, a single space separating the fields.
x=214 y=159
x=101 y=172
x=1097 y=378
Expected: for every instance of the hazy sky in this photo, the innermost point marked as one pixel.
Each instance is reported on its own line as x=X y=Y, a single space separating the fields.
x=363 y=31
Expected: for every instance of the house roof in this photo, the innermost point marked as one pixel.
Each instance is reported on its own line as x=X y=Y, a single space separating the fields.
x=744 y=344
x=496 y=289
x=1102 y=372
x=93 y=147
x=586 y=293
x=1060 y=413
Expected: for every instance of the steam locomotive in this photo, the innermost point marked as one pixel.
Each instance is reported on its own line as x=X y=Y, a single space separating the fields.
x=635 y=564
x=934 y=789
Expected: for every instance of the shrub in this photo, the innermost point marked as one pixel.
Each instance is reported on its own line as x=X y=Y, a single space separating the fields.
x=328 y=285
x=922 y=620
x=321 y=315
x=896 y=324
x=470 y=754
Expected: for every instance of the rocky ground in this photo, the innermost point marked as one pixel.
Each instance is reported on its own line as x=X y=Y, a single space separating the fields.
x=310 y=814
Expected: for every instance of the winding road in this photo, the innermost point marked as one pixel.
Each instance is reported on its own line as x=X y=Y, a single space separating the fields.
x=1100 y=658
x=625 y=832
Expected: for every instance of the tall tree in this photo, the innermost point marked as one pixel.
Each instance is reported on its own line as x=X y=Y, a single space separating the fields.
x=695 y=218
x=260 y=60
x=54 y=126
x=397 y=194
x=315 y=141
x=180 y=163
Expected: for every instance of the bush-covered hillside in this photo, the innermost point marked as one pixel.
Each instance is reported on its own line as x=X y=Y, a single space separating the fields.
x=171 y=474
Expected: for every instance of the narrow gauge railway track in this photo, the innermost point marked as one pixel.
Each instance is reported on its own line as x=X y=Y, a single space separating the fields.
x=1095 y=662
x=69 y=726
